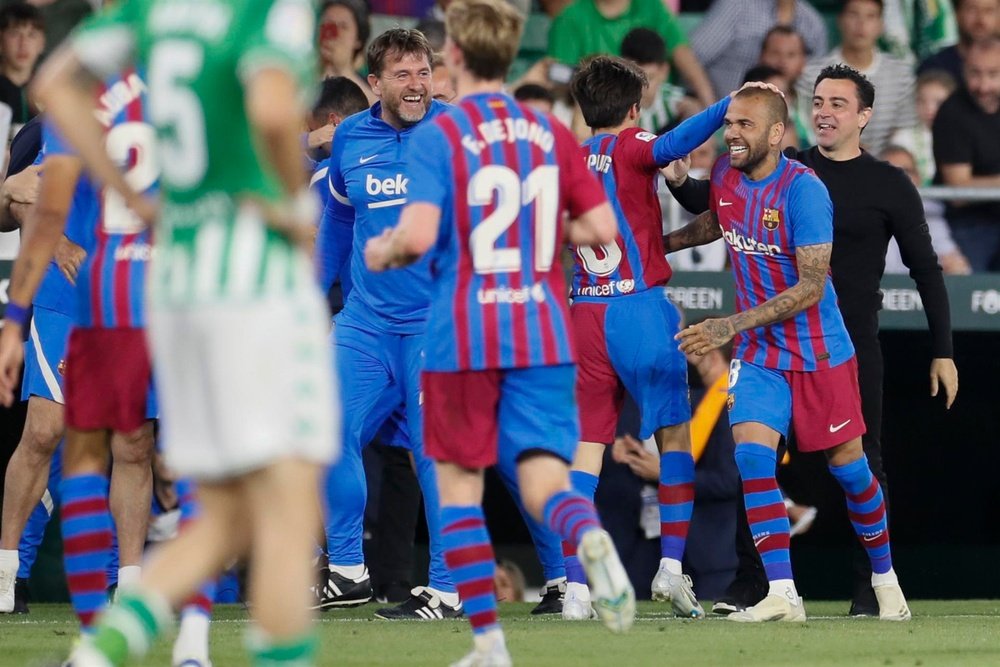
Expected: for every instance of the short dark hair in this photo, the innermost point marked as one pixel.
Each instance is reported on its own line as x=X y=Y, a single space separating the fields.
x=339 y=95
x=20 y=13
x=606 y=87
x=527 y=92
x=645 y=47
x=880 y=3
x=761 y=73
x=400 y=42
x=362 y=19
x=840 y=71
x=777 y=109
x=434 y=31
x=784 y=31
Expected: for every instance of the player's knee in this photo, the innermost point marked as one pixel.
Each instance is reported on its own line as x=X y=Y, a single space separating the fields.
x=41 y=437
x=135 y=447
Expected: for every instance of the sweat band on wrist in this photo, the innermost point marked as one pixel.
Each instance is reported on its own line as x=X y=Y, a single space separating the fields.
x=16 y=313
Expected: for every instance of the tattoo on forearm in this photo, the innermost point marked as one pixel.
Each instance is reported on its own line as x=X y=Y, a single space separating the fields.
x=813 y=265
x=703 y=229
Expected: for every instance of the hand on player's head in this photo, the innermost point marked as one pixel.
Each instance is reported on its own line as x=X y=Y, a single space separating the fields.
x=759 y=84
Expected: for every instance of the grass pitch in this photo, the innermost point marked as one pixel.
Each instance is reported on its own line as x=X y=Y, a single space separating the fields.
x=965 y=632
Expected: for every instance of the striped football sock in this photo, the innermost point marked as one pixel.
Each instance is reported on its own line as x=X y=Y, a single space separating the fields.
x=585 y=484
x=765 y=508
x=866 y=510
x=469 y=556
x=87 y=532
x=676 y=495
x=571 y=515
x=201 y=601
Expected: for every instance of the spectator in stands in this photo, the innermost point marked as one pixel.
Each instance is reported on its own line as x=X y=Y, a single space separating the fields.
x=967 y=153
x=728 y=40
x=785 y=50
x=662 y=102
x=860 y=24
x=344 y=27
x=952 y=260
x=768 y=74
x=441 y=84
x=536 y=96
x=434 y=31
x=977 y=19
x=22 y=40
x=339 y=97
x=933 y=88
x=589 y=27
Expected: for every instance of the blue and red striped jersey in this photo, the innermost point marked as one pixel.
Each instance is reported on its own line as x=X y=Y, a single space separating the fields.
x=111 y=282
x=763 y=222
x=627 y=165
x=503 y=175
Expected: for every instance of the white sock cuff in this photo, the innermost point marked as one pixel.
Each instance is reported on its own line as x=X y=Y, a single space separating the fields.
x=887 y=579
x=353 y=572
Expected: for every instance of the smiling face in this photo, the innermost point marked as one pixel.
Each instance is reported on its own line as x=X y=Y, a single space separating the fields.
x=837 y=115
x=751 y=134
x=404 y=87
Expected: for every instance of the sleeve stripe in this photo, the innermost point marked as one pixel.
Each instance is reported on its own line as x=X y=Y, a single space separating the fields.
x=339 y=197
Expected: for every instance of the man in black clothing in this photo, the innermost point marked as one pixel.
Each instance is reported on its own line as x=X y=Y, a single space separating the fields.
x=967 y=153
x=977 y=20
x=872 y=202
x=22 y=40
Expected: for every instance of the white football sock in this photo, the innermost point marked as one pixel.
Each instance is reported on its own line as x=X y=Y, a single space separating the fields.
x=353 y=572
x=887 y=579
x=577 y=590
x=672 y=565
x=784 y=588
x=129 y=576
x=484 y=640
x=450 y=599
x=555 y=582
x=192 y=638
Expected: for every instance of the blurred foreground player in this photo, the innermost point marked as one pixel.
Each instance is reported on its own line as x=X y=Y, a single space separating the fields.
x=794 y=364
x=238 y=327
x=499 y=369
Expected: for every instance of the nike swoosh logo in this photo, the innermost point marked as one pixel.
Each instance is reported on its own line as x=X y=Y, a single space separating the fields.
x=722 y=202
x=866 y=538
x=760 y=540
x=366 y=160
x=834 y=429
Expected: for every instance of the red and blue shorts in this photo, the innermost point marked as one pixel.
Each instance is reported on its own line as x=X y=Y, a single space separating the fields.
x=626 y=343
x=108 y=380
x=470 y=416
x=822 y=407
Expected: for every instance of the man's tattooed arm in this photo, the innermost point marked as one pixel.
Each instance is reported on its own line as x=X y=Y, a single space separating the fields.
x=703 y=229
x=813 y=265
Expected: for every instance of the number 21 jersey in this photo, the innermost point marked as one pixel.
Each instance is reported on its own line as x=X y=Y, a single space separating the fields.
x=110 y=285
x=503 y=177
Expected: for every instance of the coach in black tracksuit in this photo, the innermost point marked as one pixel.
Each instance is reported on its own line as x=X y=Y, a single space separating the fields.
x=872 y=202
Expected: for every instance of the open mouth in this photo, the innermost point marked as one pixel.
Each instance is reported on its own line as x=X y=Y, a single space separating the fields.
x=737 y=149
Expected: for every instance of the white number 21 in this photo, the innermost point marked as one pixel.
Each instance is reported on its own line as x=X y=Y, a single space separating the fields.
x=541 y=188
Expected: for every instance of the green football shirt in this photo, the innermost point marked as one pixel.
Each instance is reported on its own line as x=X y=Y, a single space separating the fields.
x=581 y=31
x=212 y=243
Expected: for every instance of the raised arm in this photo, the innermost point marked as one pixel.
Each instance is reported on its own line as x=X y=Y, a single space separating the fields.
x=813 y=267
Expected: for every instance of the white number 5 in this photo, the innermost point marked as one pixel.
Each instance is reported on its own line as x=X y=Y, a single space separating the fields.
x=541 y=187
